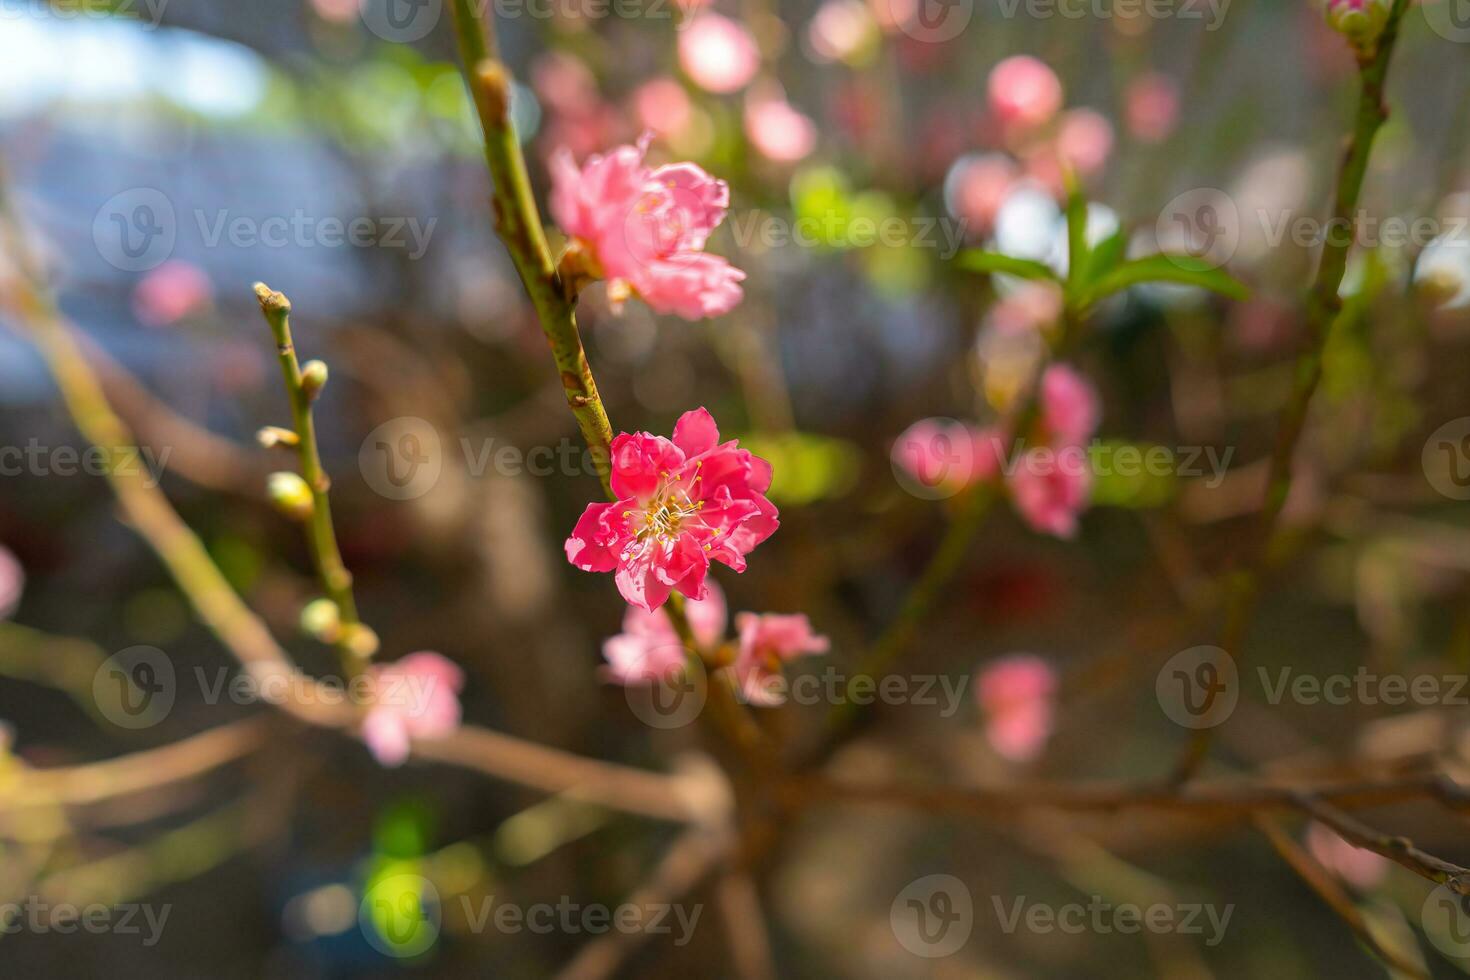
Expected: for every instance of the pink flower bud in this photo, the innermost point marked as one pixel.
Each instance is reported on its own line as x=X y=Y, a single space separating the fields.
x=1024 y=93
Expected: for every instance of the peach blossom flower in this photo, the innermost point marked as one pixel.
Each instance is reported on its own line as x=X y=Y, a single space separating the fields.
x=1024 y=93
x=12 y=582
x=644 y=230
x=1358 y=867
x=977 y=186
x=414 y=697
x=649 y=649
x=1084 y=140
x=662 y=106
x=767 y=641
x=1151 y=106
x=717 y=53
x=171 y=292
x=1015 y=693
x=680 y=504
x=777 y=130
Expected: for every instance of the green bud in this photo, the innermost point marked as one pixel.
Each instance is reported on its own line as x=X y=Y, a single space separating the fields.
x=361 y=640
x=290 y=495
x=313 y=378
x=321 y=619
x=273 y=435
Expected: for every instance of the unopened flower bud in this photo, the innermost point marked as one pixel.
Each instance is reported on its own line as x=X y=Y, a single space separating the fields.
x=290 y=495
x=1360 y=21
x=273 y=435
x=321 y=618
x=361 y=640
x=313 y=378
x=1442 y=273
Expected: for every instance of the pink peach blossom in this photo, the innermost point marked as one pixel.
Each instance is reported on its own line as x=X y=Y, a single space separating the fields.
x=717 y=53
x=977 y=187
x=645 y=230
x=414 y=697
x=1358 y=867
x=662 y=106
x=1051 y=487
x=680 y=504
x=767 y=641
x=944 y=456
x=1023 y=92
x=1151 y=106
x=649 y=649
x=171 y=292
x=12 y=582
x=1070 y=410
x=1015 y=693
x=1084 y=140
x=777 y=130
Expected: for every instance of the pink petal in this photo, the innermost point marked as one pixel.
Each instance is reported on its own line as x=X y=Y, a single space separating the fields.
x=696 y=432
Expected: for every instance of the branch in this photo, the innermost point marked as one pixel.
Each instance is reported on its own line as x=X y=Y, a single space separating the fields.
x=1323 y=305
x=1331 y=891
x=355 y=643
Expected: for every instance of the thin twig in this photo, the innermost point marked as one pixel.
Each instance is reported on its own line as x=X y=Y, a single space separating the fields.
x=1242 y=586
x=1330 y=890
x=353 y=641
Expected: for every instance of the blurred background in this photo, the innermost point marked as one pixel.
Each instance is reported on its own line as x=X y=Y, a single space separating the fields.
x=166 y=154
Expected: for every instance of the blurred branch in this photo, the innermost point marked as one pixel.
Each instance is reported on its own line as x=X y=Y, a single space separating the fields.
x=691 y=857
x=245 y=635
x=745 y=926
x=1321 y=881
x=1242 y=587
x=1398 y=849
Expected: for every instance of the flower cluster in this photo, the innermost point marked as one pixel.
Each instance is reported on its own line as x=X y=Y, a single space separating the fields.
x=648 y=649
x=644 y=230
x=1049 y=479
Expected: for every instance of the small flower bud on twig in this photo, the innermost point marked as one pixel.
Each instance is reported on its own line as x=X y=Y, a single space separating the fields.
x=272 y=436
x=290 y=495
x=361 y=640
x=313 y=378
x=321 y=619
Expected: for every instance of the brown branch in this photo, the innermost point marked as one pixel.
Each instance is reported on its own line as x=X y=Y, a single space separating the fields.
x=1330 y=890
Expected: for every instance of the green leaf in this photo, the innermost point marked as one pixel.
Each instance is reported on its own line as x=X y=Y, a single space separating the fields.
x=1184 y=269
x=979 y=260
x=1104 y=258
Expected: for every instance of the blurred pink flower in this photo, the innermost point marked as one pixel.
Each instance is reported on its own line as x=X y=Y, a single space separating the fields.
x=1024 y=93
x=1015 y=693
x=841 y=30
x=1051 y=487
x=1033 y=306
x=767 y=641
x=1358 y=867
x=1084 y=140
x=171 y=292
x=777 y=130
x=564 y=83
x=717 y=53
x=648 y=648
x=414 y=697
x=644 y=230
x=680 y=504
x=1152 y=107
x=662 y=105
x=945 y=456
x=977 y=187
x=336 y=11
x=1069 y=406
x=12 y=582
